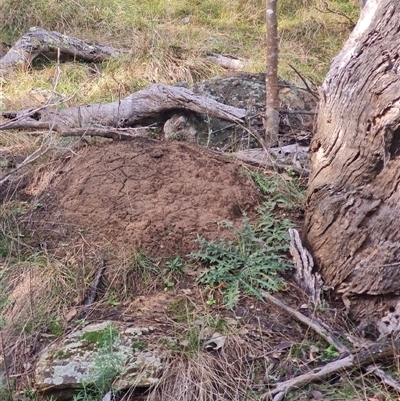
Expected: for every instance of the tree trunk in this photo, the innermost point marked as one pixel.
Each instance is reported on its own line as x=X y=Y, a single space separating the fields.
x=271 y=76
x=353 y=202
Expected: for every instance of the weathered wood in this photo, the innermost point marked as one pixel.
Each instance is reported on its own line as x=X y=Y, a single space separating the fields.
x=373 y=354
x=369 y=353
x=329 y=337
x=293 y=157
x=38 y=41
x=147 y=103
x=385 y=378
x=228 y=62
x=352 y=221
x=305 y=276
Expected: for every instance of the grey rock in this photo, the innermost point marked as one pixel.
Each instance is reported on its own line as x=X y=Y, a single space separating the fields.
x=79 y=358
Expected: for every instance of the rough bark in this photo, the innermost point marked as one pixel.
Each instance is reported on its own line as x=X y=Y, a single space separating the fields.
x=353 y=212
x=127 y=112
x=38 y=41
x=271 y=77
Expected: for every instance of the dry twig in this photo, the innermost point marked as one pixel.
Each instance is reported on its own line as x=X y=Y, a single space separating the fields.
x=372 y=353
x=313 y=324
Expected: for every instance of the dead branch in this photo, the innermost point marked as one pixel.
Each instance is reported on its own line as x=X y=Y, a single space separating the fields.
x=272 y=119
x=372 y=354
x=40 y=42
x=111 y=133
x=387 y=379
x=330 y=11
x=309 y=90
x=147 y=103
x=313 y=324
x=270 y=158
x=284 y=111
x=226 y=61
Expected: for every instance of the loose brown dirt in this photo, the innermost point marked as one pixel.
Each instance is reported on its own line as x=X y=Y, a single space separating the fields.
x=147 y=194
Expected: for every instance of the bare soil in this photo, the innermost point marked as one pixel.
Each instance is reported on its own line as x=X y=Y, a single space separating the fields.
x=153 y=195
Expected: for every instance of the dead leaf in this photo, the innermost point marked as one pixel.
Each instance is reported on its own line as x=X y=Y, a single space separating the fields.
x=27 y=366
x=216 y=341
x=317 y=395
x=283 y=345
x=313 y=350
x=71 y=314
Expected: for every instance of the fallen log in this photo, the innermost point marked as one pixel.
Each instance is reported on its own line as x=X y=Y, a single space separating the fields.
x=144 y=104
x=291 y=157
x=38 y=41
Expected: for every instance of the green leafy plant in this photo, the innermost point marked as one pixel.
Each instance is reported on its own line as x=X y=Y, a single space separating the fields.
x=281 y=189
x=168 y=284
x=175 y=265
x=251 y=263
x=329 y=353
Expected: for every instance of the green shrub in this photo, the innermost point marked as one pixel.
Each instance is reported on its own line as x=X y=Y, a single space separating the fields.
x=251 y=263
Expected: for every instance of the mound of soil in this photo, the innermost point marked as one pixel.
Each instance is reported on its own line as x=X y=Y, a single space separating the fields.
x=147 y=194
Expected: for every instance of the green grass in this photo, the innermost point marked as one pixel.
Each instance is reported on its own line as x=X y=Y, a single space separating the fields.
x=281 y=189
x=107 y=365
x=167 y=41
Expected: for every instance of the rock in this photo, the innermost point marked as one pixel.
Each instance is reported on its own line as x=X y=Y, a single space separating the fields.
x=181 y=128
x=248 y=91
x=83 y=355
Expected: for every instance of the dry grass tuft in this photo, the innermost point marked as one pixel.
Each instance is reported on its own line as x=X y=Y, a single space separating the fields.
x=226 y=374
